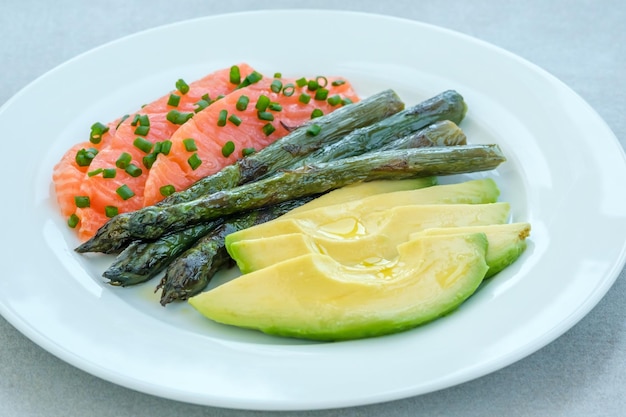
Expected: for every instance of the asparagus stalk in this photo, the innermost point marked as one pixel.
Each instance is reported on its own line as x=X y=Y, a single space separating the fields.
x=191 y=272
x=142 y=260
x=448 y=105
x=152 y=222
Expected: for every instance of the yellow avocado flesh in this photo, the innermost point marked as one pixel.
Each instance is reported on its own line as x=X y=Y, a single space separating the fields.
x=369 y=240
x=507 y=242
x=315 y=297
x=470 y=192
x=361 y=190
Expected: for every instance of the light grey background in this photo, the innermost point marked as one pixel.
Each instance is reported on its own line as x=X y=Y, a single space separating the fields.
x=583 y=373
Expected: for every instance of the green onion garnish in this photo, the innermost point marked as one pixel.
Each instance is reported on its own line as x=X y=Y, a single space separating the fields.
x=142 y=130
x=242 y=103
x=346 y=101
x=228 y=148
x=321 y=94
x=201 y=105
x=234 y=119
x=173 y=100
x=190 y=144
x=149 y=160
x=109 y=173
x=314 y=130
x=182 y=86
x=316 y=113
x=97 y=130
x=289 y=89
x=133 y=170
x=275 y=106
x=264 y=115
x=177 y=117
x=268 y=129
x=221 y=119
x=124 y=192
x=321 y=81
x=194 y=161
x=334 y=100
x=337 y=83
x=276 y=86
x=301 y=82
x=247 y=151
x=81 y=201
x=262 y=103
x=235 y=75
x=312 y=85
x=304 y=98
x=94 y=172
x=135 y=120
x=123 y=160
x=167 y=190
x=85 y=156
x=143 y=144
x=126 y=116
x=144 y=120
x=278 y=75
x=73 y=220
x=166 y=147
x=252 y=78
x=111 y=211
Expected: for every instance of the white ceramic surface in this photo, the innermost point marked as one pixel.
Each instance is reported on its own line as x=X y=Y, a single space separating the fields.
x=564 y=175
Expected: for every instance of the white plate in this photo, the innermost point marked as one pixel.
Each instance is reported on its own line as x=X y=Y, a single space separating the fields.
x=564 y=175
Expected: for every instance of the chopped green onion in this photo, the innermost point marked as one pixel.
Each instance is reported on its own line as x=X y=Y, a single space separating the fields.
x=316 y=113
x=124 y=192
x=94 y=172
x=97 y=130
x=135 y=120
x=275 y=106
x=228 y=148
x=167 y=190
x=321 y=81
x=166 y=147
x=133 y=170
x=73 y=220
x=221 y=119
x=85 y=156
x=289 y=89
x=247 y=151
x=126 y=116
x=304 y=98
x=194 y=161
x=149 y=160
x=337 y=83
x=242 y=103
x=82 y=201
x=278 y=75
x=109 y=173
x=314 y=130
x=276 y=86
x=262 y=103
x=201 y=105
x=252 y=78
x=346 y=101
x=264 y=115
x=123 y=160
x=173 y=100
x=142 y=130
x=190 y=144
x=334 y=100
x=177 y=117
x=235 y=75
x=111 y=211
x=268 y=129
x=234 y=119
x=144 y=120
x=182 y=86
x=143 y=144
x=206 y=97
x=321 y=94
x=312 y=85
x=301 y=82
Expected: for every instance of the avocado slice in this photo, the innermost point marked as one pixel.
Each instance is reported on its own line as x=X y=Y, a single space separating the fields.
x=315 y=297
x=370 y=239
x=469 y=192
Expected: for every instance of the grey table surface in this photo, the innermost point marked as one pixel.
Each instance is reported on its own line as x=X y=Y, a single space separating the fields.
x=583 y=43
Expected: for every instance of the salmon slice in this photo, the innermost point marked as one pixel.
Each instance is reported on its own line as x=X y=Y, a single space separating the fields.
x=212 y=145
x=152 y=123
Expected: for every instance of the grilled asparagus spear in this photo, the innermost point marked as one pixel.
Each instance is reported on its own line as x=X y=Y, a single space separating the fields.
x=152 y=222
x=142 y=260
x=448 y=105
x=191 y=272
